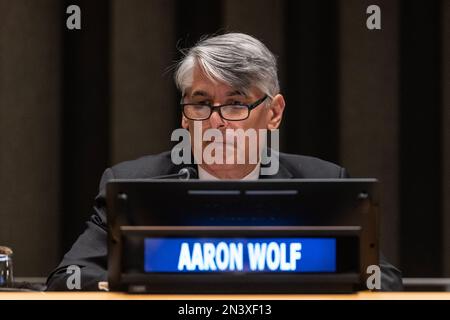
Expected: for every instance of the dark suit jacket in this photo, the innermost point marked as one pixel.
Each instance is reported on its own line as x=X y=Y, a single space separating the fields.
x=90 y=250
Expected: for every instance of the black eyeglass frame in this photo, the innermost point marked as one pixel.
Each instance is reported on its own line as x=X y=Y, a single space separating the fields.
x=250 y=107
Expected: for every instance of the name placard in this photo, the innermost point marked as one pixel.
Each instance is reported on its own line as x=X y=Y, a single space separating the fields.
x=247 y=255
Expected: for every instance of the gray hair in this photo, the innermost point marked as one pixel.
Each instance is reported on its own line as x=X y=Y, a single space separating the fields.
x=237 y=59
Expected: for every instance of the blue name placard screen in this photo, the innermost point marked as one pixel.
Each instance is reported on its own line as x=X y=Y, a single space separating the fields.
x=183 y=255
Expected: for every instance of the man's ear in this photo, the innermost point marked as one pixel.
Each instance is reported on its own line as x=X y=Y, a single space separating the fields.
x=275 y=113
x=184 y=122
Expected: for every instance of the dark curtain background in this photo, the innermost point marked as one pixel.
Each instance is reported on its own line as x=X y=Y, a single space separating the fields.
x=73 y=103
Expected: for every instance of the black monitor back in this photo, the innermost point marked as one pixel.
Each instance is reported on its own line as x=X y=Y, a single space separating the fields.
x=293 y=202
x=312 y=203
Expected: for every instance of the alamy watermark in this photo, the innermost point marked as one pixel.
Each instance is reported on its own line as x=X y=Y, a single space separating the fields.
x=373 y=281
x=227 y=147
x=373 y=22
x=74 y=20
x=73 y=281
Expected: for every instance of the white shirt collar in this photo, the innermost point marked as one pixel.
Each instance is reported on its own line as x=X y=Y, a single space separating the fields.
x=204 y=175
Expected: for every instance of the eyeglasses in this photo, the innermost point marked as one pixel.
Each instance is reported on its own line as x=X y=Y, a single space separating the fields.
x=230 y=112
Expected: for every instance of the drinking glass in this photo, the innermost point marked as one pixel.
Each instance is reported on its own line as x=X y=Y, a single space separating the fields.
x=6 y=267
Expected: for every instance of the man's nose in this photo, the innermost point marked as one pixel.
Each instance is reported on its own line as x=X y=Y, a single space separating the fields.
x=216 y=120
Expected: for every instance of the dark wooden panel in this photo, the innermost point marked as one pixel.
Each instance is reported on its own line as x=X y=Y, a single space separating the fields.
x=85 y=115
x=30 y=97
x=445 y=36
x=368 y=110
x=143 y=102
x=311 y=119
x=420 y=139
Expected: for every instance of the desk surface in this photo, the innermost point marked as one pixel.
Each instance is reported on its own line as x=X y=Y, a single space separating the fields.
x=124 y=296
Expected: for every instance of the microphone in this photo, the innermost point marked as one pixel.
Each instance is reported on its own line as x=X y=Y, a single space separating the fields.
x=184 y=174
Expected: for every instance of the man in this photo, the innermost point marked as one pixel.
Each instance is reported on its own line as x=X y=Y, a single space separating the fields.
x=228 y=82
